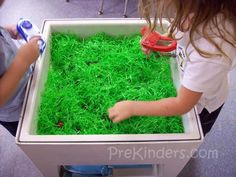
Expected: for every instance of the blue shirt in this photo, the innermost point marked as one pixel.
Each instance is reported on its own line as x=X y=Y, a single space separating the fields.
x=10 y=112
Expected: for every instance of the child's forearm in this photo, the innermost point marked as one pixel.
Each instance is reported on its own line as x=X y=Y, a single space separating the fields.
x=164 y=107
x=26 y=55
x=185 y=101
x=11 y=78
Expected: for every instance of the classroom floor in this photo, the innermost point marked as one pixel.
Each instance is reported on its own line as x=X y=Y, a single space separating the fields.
x=13 y=161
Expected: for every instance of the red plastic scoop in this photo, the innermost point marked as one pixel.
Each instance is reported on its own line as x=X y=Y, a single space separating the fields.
x=154 y=41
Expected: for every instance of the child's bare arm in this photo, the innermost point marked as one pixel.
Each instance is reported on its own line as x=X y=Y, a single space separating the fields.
x=179 y=105
x=26 y=55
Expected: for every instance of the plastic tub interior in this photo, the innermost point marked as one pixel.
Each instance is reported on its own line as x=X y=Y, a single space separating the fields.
x=28 y=122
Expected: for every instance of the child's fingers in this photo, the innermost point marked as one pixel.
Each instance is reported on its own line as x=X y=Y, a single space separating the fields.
x=35 y=39
x=12 y=31
x=15 y=34
x=116 y=119
x=112 y=113
x=18 y=36
x=146 y=51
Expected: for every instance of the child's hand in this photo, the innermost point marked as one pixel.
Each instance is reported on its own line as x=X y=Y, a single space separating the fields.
x=13 y=31
x=29 y=52
x=160 y=43
x=145 y=50
x=121 y=111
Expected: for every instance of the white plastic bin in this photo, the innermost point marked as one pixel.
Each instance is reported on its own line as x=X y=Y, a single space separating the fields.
x=168 y=152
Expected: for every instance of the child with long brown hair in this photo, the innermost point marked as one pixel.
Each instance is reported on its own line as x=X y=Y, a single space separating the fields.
x=205 y=31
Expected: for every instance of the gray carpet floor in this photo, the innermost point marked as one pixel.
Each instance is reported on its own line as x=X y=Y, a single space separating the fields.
x=13 y=161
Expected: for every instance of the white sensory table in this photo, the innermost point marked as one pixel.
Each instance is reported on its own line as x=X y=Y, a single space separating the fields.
x=167 y=152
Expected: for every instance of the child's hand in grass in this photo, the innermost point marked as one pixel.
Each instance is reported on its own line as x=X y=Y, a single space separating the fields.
x=121 y=111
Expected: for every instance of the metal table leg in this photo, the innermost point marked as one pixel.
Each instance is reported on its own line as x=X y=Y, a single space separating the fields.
x=100 y=12
x=125 y=9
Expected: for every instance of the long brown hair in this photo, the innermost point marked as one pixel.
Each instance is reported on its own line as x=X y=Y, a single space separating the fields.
x=205 y=21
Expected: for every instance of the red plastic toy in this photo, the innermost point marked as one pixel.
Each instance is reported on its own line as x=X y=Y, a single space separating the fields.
x=153 y=39
x=60 y=124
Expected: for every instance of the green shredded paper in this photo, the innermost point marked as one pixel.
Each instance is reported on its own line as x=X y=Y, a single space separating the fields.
x=89 y=75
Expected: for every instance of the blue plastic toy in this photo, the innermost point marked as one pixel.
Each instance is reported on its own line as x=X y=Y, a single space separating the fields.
x=27 y=30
